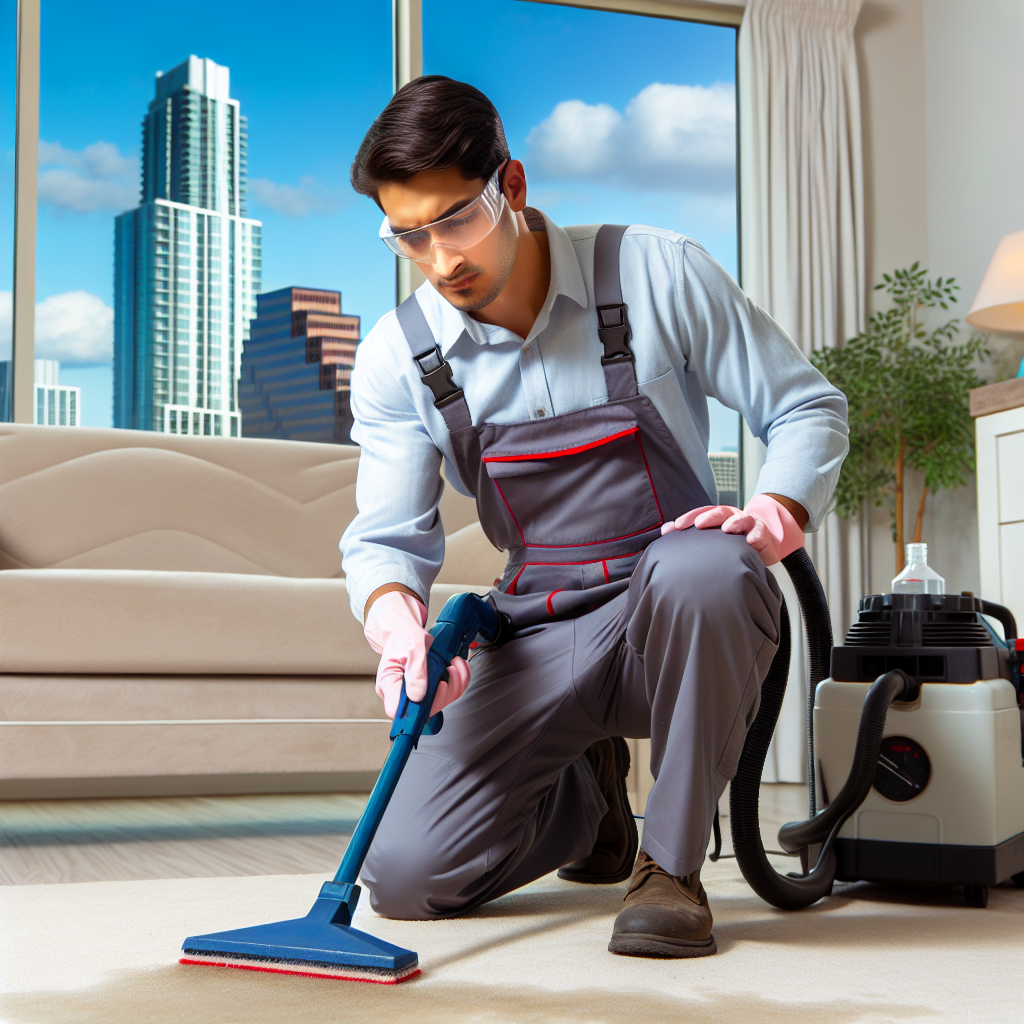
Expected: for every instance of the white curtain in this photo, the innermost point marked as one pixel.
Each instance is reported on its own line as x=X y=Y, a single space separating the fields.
x=802 y=254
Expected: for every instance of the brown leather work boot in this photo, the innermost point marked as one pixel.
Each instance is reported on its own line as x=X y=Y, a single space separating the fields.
x=664 y=916
x=617 y=841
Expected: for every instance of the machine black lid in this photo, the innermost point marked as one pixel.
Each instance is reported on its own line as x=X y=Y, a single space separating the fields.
x=886 y=604
x=939 y=637
x=919 y=620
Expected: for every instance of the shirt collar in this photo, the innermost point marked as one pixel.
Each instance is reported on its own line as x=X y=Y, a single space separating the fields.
x=566 y=279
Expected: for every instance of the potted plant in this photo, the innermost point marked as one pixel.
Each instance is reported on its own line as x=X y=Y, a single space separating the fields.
x=907 y=391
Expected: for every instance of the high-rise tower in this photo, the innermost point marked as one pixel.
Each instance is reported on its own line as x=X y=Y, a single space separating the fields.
x=187 y=262
x=297 y=368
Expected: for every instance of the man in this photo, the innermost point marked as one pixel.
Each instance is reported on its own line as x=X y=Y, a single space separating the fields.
x=562 y=375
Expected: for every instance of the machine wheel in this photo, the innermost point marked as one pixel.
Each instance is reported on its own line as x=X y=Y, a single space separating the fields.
x=976 y=895
x=1018 y=880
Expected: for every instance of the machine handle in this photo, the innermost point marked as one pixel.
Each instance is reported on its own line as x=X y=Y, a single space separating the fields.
x=1003 y=615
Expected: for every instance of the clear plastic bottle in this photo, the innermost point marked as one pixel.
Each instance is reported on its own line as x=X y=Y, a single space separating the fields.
x=917 y=578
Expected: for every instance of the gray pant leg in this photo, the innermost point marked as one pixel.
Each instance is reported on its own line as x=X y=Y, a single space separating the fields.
x=501 y=795
x=702 y=629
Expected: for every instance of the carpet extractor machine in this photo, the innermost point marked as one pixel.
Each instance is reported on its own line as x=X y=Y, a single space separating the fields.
x=915 y=739
x=915 y=769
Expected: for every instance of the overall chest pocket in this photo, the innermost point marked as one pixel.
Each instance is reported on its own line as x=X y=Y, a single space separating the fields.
x=598 y=490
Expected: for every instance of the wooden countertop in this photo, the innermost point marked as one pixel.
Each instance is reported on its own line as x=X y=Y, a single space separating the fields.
x=1007 y=394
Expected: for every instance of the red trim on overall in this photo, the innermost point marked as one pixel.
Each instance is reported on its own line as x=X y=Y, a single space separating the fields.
x=551 y=611
x=589 y=561
x=512 y=586
x=513 y=515
x=563 y=451
x=650 y=479
x=590 y=543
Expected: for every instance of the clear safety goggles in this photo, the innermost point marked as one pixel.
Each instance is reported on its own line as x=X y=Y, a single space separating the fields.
x=460 y=230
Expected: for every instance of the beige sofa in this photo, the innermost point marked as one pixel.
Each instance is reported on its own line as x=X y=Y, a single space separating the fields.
x=174 y=619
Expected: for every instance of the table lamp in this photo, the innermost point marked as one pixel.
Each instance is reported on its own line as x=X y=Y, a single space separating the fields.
x=999 y=304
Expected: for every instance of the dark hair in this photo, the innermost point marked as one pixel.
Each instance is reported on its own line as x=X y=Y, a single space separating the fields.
x=430 y=124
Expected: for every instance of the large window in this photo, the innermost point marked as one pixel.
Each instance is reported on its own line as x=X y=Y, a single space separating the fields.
x=199 y=247
x=619 y=118
x=194 y=155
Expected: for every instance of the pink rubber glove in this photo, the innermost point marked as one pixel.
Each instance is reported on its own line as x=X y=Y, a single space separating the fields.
x=770 y=527
x=394 y=629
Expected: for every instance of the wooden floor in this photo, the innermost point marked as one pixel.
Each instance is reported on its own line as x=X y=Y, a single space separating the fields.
x=173 y=837
x=50 y=841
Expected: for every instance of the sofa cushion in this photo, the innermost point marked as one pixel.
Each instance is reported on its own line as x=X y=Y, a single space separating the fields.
x=181 y=623
x=82 y=498
x=127 y=727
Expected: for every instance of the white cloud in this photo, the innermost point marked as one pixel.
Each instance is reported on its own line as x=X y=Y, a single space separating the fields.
x=75 y=327
x=577 y=140
x=98 y=177
x=670 y=137
x=309 y=196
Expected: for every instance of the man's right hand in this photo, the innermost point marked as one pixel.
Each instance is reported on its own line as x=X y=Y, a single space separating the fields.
x=395 y=630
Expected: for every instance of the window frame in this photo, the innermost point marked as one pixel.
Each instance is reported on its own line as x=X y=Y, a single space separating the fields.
x=407 y=64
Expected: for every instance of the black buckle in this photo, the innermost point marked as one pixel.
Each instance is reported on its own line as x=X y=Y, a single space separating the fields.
x=436 y=373
x=614 y=331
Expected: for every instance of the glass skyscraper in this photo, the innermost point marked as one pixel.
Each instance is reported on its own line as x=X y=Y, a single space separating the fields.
x=56 y=404
x=297 y=369
x=187 y=262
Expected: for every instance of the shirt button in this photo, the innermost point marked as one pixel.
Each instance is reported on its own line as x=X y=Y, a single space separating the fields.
x=541 y=412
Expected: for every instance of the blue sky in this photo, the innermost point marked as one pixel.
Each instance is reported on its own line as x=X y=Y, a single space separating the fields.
x=540 y=56
x=310 y=76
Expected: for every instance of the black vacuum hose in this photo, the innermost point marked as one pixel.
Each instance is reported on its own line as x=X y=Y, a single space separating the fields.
x=780 y=890
x=793 y=892
x=894 y=685
x=811 y=596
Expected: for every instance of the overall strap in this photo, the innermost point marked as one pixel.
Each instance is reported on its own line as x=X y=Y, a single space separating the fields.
x=612 y=319
x=435 y=370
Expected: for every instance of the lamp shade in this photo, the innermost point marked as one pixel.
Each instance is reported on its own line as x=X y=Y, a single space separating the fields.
x=999 y=304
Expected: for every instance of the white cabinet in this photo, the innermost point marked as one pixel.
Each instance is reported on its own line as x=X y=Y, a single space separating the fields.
x=1000 y=441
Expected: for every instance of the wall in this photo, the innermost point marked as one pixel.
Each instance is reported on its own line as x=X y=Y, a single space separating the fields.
x=942 y=84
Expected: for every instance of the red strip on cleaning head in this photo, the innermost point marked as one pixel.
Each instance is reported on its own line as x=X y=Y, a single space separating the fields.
x=370 y=979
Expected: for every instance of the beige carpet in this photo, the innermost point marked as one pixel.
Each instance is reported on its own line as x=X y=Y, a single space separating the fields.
x=105 y=953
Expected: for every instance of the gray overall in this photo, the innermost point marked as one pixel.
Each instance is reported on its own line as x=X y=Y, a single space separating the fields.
x=618 y=632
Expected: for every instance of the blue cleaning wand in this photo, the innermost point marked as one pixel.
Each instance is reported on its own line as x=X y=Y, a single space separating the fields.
x=324 y=943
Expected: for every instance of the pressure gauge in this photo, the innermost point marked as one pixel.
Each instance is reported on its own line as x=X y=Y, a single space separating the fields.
x=903 y=769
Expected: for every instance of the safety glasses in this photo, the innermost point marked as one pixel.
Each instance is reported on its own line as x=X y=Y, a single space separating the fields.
x=460 y=230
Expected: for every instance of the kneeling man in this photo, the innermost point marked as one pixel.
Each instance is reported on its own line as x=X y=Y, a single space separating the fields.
x=562 y=374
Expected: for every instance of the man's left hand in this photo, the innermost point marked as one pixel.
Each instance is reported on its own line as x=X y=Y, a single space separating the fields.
x=770 y=527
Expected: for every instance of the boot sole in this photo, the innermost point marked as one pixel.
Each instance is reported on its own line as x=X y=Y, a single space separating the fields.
x=634 y=839
x=661 y=947
x=585 y=879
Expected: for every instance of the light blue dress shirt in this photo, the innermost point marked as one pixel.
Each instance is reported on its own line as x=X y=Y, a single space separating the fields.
x=694 y=334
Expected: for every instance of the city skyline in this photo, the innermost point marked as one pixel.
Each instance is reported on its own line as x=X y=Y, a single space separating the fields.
x=187 y=261
x=98 y=65
x=307 y=118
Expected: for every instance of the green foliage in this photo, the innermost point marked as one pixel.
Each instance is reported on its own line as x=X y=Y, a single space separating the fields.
x=907 y=393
